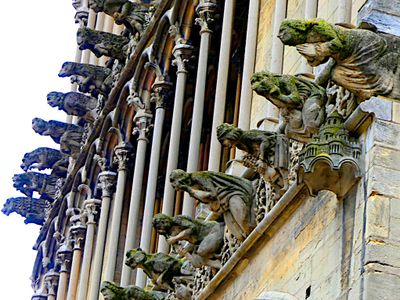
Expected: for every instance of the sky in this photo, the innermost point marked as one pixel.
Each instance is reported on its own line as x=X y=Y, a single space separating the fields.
x=37 y=37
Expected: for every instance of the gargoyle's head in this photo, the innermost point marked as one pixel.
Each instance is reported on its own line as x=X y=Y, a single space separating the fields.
x=135 y=257
x=55 y=99
x=180 y=178
x=162 y=223
x=39 y=125
x=228 y=135
x=96 y=5
x=111 y=291
x=81 y=36
x=67 y=69
x=28 y=159
x=8 y=207
x=265 y=83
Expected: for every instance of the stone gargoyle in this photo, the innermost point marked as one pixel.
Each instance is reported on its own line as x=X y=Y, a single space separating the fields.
x=102 y=43
x=74 y=104
x=267 y=153
x=90 y=78
x=71 y=143
x=131 y=15
x=111 y=291
x=46 y=158
x=160 y=268
x=205 y=237
x=33 y=210
x=30 y=182
x=54 y=129
x=227 y=195
x=301 y=102
x=366 y=63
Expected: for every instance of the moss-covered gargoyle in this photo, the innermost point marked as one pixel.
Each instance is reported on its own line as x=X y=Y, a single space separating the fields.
x=111 y=291
x=366 y=63
x=227 y=195
x=205 y=238
x=160 y=268
x=301 y=102
x=267 y=153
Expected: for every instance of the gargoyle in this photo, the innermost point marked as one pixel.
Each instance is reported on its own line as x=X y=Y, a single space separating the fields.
x=366 y=63
x=160 y=268
x=54 y=129
x=230 y=196
x=71 y=142
x=132 y=15
x=301 y=102
x=102 y=43
x=33 y=210
x=267 y=153
x=206 y=237
x=46 y=158
x=90 y=78
x=111 y=291
x=74 y=104
x=30 y=182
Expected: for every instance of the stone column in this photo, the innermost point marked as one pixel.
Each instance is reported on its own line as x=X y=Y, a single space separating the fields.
x=93 y=60
x=205 y=10
x=143 y=123
x=309 y=13
x=77 y=233
x=181 y=52
x=343 y=13
x=122 y=153
x=160 y=89
x=222 y=81
x=90 y=212
x=64 y=256
x=107 y=183
x=51 y=280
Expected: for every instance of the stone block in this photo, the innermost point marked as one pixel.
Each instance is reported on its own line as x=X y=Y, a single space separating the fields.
x=384 y=157
x=396 y=112
x=378 y=216
x=383 y=252
x=394 y=233
x=384 y=132
x=382 y=286
x=383 y=181
x=395 y=208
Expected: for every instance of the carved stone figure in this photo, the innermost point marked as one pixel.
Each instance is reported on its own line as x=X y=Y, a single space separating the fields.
x=301 y=102
x=30 y=182
x=71 y=142
x=230 y=196
x=46 y=158
x=91 y=78
x=102 y=43
x=54 y=129
x=160 y=268
x=75 y=104
x=366 y=63
x=111 y=291
x=206 y=237
x=132 y=15
x=267 y=153
x=33 y=210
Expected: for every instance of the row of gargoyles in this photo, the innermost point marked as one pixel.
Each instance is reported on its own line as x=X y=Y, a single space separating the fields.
x=363 y=62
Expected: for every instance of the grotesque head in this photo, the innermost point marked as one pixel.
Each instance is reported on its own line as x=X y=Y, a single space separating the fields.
x=228 y=135
x=265 y=83
x=27 y=161
x=39 y=125
x=111 y=291
x=68 y=69
x=162 y=223
x=8 y=207
x=55 y=99
x=180 y=178
x=135 y=257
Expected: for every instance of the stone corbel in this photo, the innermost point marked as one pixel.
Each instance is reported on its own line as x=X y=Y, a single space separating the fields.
x=51 y=281
x=206 y=11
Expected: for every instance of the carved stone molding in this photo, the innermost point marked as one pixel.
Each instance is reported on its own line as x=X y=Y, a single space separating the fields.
x=107 y=183
x=123 y=155
x=206 y=11
x=51 y=281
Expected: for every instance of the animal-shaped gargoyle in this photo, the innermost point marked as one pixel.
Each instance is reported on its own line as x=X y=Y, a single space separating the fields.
x=112 y=291
x=227 y=195
x=366 y=63
x=205 y=237
x=30 y=182
x=301 y=102
x=46 y=158
x=102 y=43
x=90 y=78
x=160 y=268
x=54 y=129
x=267 y=153
x=33 y=210
x=132 y=15
x=74 y=104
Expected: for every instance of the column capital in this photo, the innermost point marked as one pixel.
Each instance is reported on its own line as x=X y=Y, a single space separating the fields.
x=90 y=210
x=107 y=182
x=51 y=281
x=77 y=232
x=123 y=153
x=206 y=11
x=64 y=256
x=159 y=91
x=142 y=120
x=182 y=51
